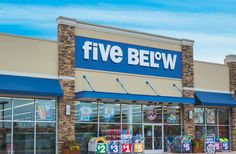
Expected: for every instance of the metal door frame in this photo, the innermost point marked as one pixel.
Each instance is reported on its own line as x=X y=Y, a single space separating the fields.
x=162 y=129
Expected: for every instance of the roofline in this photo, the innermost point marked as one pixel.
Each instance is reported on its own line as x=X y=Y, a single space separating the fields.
x=212 y=63
x=120 y=31
x=27 y=37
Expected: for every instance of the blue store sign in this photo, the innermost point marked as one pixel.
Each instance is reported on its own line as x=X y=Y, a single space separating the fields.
x=111 y=56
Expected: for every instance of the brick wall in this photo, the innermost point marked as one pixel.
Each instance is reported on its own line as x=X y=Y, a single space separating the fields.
x=231 y=62
x=188 y=82
x=66 y=72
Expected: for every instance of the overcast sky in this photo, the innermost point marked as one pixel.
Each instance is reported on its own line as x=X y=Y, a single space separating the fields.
x=211 y=23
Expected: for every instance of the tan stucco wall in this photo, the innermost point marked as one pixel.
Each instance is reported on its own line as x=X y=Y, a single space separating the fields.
x=134 y=84
x=211 y=76
x=125 y=39
x=27 y=55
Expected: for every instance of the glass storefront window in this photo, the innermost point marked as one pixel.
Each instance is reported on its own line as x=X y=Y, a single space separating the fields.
x=211 y=116
x=131 y=113
x=152 y=114
x=34 y=125
x=170 y=132
x=45 y=110
x=212 y=130
x=224 y=132
x=5 y=108
x=199 y=132
x=23 y=109
x=199 y=115
x=136 y=129
x=171 y=114
x=84 y=132
x=45 y=137
x=213 y=121
x=23 y=137
x=5 y=137
x=109 y=113
x=223 y=116
x=86 y=112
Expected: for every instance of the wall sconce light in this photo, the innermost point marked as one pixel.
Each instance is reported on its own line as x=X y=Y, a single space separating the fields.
x=67 y=109
x=190 y=114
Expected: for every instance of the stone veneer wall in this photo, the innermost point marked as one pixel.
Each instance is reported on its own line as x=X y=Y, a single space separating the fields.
x=232 y=75
x=66 y=71
x=188 y=82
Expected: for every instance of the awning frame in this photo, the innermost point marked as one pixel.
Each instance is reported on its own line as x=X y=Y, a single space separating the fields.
x=93 y=95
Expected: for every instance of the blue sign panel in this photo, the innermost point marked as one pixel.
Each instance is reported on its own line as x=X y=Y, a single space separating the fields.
x=111 y=56
x=210 y=144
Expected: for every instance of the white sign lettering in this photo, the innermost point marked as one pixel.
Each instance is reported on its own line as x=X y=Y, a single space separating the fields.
x=146 y=58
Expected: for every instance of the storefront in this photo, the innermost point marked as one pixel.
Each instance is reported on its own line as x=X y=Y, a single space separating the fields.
x=157 y=123
x=98 y=81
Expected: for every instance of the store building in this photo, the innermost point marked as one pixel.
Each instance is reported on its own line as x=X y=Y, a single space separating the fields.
x=111 y=79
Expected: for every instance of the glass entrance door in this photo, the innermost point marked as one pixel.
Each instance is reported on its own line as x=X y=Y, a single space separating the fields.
x=153 y=135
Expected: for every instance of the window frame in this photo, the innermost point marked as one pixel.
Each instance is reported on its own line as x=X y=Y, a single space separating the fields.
x=33 y=120
x=217 y=124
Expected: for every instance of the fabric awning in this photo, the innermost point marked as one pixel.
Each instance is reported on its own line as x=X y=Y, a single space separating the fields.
x=93 y=95
x=21 y=85
x=214 y=99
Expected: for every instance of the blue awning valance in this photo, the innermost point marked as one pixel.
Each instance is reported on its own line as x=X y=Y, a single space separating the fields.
x=29 y=86
x=92 y=95
x=214 y=99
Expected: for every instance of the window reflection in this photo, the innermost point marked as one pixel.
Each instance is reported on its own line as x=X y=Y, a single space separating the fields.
x=24 y=122
x=5 y=108
x=131 y=113
x=5 y=137
x=23 y=137
x=223 y=116
x=23 y=109
x=45 y=138
x=84 y=132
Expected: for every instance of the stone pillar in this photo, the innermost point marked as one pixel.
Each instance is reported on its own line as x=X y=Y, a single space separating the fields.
x=66 y=72
x=230 y=60
x=188 y=85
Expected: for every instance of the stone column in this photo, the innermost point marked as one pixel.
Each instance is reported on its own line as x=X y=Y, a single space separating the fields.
x=230 y=60
x=188 y=85
x=66 y=72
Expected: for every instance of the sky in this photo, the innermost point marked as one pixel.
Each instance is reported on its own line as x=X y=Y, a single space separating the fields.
x=210 y=23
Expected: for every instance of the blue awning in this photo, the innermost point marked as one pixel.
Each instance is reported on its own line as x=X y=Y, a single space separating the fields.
x=29 y=86
x=214 y=99
x=93 y=95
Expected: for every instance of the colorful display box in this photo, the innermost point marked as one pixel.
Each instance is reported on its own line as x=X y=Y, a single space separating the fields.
x=109 y=144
